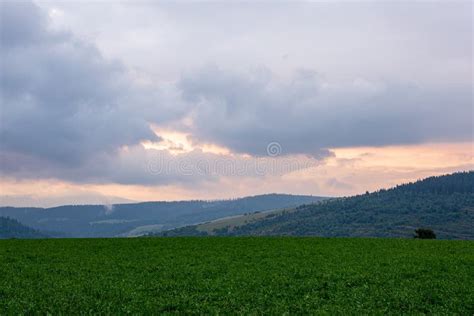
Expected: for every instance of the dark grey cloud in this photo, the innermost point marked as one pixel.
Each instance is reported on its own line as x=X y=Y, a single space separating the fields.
x=139 y=166
x=61 y=100
x=14 y=33
x=309 y=113
x=134 y=165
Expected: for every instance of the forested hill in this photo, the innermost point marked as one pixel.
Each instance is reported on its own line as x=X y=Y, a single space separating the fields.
x=444 y=204
x=10 y=228
x=140 y=218
x=461 y=182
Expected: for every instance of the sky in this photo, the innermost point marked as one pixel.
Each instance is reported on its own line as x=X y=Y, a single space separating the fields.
x=115 y=101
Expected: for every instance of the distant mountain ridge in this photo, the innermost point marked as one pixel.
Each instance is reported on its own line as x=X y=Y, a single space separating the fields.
x=443 y=203
x=140 y=218
x=11 y=228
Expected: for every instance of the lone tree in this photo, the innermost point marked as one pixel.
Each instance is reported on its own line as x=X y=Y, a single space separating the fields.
x=425 y=233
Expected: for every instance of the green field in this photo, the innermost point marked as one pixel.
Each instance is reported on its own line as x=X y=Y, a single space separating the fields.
x=236 y=275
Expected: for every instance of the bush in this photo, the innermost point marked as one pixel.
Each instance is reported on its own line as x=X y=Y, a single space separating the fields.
x=425 y=233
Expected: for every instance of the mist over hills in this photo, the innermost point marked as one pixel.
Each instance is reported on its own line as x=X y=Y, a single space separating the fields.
x=136 y=219
x=444 y=204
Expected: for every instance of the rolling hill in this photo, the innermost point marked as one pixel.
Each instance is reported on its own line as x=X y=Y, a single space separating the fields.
x=137 y=219
x=444 y=204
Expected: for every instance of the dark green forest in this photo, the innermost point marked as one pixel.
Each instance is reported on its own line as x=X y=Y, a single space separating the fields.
x=11 y=228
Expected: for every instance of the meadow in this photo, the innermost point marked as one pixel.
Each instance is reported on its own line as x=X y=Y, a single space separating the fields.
x=236 y=275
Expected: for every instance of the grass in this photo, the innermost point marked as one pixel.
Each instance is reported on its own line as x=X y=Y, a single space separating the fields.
x=236 y=275
x=238 y=220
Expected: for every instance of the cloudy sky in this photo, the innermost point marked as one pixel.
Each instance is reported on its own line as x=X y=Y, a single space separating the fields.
x=108 y=101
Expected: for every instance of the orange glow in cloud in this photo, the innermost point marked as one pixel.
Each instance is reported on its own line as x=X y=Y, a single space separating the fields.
x=355 y=170
x=428 y=156
x=178 y=142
